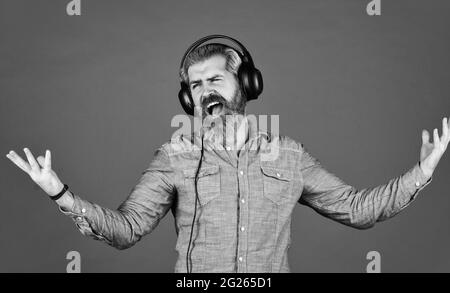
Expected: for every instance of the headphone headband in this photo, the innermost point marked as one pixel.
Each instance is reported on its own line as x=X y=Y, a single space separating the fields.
x=245 y=54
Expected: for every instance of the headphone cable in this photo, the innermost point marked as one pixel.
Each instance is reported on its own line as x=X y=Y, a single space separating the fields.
x=189 y=251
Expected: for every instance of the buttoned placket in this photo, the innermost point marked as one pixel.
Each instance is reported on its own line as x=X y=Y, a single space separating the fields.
x=242 y=223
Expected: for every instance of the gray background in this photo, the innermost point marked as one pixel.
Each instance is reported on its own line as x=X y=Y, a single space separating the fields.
x=99 y=90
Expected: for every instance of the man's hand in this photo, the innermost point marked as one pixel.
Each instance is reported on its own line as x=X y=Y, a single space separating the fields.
x=431 y=153
x=45 y=177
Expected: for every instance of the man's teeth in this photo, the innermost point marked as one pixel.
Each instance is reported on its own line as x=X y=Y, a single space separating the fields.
x=212 y=104
x=211 y=107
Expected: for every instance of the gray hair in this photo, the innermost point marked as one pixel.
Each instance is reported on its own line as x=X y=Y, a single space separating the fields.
x=233 y=60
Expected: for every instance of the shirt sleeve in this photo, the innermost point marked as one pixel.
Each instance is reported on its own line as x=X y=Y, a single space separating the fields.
x=148 y=202
x=331 y=197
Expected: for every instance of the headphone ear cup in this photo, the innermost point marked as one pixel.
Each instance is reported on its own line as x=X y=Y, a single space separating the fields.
x=257 y=82
x=245 y=82
x=184 y=95
x=251 y=81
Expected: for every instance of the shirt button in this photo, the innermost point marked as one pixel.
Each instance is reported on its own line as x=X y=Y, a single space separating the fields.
x=278 y=175
x=243 y=200
x=242 y=228
x=83 y=210
x=240 y=258
x=228 y=148
x=417 y=183
x=79 y=219
x=241 y=172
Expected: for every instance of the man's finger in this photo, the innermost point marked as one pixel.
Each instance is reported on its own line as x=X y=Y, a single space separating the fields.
x=448 y=128
x=34 y=165
x=48 y=160
x=425 y=137
x=41 y=161
x=436 y=138
x=444 y=129
x=18 y=161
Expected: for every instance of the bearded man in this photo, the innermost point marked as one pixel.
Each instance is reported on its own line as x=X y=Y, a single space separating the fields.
x=232 y=207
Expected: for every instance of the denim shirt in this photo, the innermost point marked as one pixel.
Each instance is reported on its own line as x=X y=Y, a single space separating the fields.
x=246 y=199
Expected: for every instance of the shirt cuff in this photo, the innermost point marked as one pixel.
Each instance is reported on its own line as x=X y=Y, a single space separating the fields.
x=80 y=212
x=415 y=180
x=78 y=208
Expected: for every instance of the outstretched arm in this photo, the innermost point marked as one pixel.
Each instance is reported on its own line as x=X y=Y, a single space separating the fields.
x=139 y=214
x=332 y=197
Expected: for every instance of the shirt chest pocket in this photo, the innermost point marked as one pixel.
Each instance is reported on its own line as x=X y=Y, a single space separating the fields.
x=277 y=184
x=208 y=183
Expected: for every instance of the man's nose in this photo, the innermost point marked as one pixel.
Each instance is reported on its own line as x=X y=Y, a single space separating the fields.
x=206 y=92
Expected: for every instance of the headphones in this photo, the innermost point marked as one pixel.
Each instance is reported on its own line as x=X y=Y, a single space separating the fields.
x=249 y=77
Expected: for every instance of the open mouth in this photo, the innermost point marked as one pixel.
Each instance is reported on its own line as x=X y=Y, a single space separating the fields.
x=214 y=108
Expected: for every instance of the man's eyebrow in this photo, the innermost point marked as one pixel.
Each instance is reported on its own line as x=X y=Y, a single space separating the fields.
x=194 y=81
x=215 y=76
